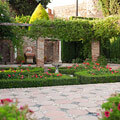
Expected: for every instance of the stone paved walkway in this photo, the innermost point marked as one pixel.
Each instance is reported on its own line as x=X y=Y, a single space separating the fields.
x=77 y=102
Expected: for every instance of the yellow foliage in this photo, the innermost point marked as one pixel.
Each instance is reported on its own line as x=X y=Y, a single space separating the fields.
x=39 y=13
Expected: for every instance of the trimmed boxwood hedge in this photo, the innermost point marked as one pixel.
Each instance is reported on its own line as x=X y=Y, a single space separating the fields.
x=63 y=70
x=24 y=83
x=85 y=78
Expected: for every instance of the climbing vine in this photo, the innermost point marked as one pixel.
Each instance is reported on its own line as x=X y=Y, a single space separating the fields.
x=77 y=30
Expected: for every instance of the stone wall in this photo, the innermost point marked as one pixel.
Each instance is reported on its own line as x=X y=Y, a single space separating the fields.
x=51 y=49
x=6 y=51
x=88 y=8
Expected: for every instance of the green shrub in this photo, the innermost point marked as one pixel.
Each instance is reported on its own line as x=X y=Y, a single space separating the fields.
x=111 y=109
x=38 y=82
x=22 y=19
x=10 y=111
x=20 y=59
x=102 y=60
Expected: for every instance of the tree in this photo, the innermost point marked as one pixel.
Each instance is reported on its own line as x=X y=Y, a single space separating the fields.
x=8 y=32
x=26 y=7
x=110 y=7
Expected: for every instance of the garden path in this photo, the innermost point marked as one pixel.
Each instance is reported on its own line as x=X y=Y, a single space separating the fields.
x=76 y=102
x=113 y=66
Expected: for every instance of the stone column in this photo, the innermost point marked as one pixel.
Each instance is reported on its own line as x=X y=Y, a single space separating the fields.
x=60 y=52
x=40 y=52
x=95 y=48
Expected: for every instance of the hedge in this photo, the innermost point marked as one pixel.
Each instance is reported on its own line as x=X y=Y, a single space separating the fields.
x=63 y=70
x=85 y=78
x=17 y=83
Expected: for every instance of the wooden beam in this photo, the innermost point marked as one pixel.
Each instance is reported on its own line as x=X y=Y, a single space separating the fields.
x=14 y=24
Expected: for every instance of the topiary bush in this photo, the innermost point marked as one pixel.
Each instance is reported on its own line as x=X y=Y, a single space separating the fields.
x=39 y=13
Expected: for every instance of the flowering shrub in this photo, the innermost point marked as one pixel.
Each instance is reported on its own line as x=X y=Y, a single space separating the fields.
x=111 y=109
x=10 y=111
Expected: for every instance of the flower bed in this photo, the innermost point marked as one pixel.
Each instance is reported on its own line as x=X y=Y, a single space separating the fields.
x=9 y=111
x=111 y=109
x=94 y=73
x=86 y=73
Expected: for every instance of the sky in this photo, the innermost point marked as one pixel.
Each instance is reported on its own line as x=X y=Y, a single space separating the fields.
x=61 y=3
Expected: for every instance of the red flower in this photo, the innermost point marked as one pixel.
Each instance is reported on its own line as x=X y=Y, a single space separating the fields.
x=22 y=61
x=97 y=64
x=84 y=63
x=32 y=76
x=69 y=67
x=40 y=76
x=15 y=71
x=119 y=106
x=36 y=76
x=13 y=75
x=20 y=65
x=112 y=72
x=6 y=100
x=110 y=69
x=87 y=63
x=107 y=114
x=31 y=111
x=49 y=69
x=21 y=70
x=57 y=74
x=9 y=75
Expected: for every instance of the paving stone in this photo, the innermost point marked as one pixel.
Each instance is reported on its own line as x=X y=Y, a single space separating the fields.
x=76 y=102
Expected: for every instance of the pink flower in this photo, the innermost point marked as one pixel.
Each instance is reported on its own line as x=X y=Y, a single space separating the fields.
x=107 y=66
x=32 y=76
x=119 y=106
x=13 y=75
x=107 y=114
x=77 y=65
x=22 y=77
x=21 y=70
x=84 y=63
x=94 y=67
x=21 y=108
x=46 y=72
x=111 y=110
x=112 y=72
x=49 y=69
x=40 y=76
x=15 y=71
x=6 y=100
x=98 y=114
x=57 y=74
x=29 y=65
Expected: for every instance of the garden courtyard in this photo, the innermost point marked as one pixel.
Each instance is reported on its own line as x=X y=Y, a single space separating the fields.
x=59 y=68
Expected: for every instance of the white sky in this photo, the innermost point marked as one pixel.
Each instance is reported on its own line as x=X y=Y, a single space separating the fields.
x=62 y=3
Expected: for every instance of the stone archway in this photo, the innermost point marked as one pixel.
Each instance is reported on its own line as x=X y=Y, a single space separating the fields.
x=6 y=51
